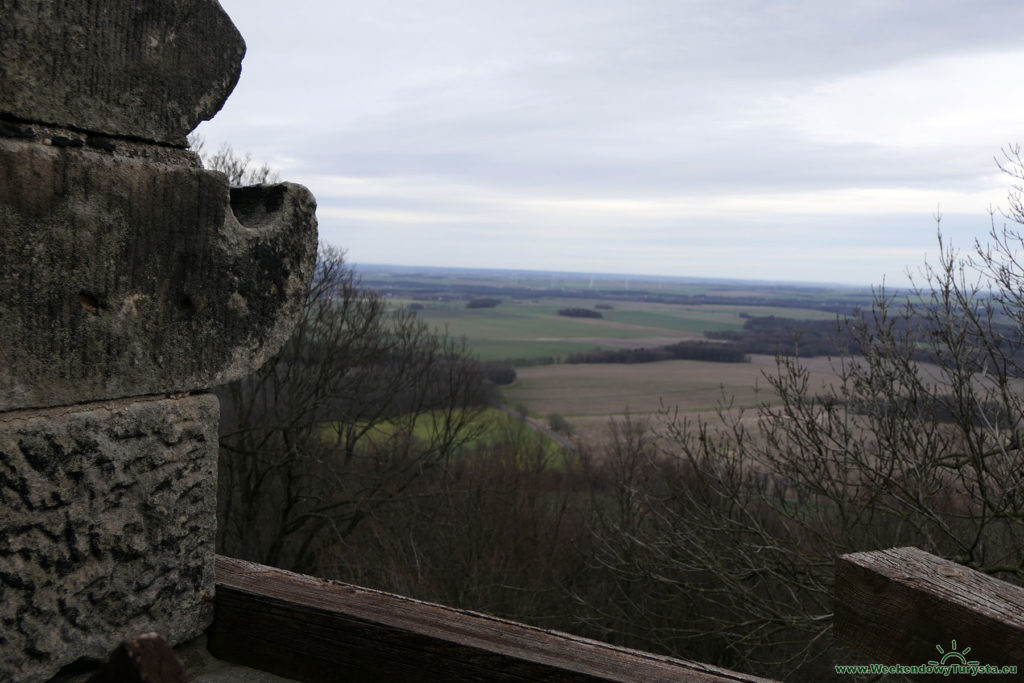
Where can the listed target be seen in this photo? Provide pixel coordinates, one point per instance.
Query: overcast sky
(780, 140)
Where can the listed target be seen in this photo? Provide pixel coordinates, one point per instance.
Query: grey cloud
(597, 98)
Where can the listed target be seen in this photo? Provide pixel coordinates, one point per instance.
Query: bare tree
(362, 400)
(918, 442)
(240, 169)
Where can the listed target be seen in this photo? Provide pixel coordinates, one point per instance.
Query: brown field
(600, 390)
(589, 395)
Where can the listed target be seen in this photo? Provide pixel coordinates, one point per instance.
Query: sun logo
(952, 654)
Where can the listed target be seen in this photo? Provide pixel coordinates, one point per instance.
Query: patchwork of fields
(638, 312)
(590, 393)
(524, 329)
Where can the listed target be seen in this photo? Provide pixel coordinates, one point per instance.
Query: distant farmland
(637, 313)
(587, 392)
(532, 329)
(579, 391)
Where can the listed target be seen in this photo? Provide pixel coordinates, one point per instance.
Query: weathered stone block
(107, 528)
(125, 277)
(151, 70)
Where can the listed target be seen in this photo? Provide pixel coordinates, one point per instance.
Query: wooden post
(906, 606)
(146, 658)
(317, 630)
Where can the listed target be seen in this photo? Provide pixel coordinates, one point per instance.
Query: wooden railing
(900, 606)
(312, 629)
(905, 606)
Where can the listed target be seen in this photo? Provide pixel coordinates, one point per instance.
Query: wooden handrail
(312, 629)
(906, 606)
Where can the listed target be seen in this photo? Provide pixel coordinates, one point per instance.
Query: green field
(532, 329)
(492, 427)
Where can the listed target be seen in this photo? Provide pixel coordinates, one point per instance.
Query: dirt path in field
(624, 342)
(538, 427)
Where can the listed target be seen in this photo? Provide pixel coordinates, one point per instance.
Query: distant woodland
(685, 350)
(771, 335)
(580, 313)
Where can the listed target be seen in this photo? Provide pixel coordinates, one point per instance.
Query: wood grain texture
(900, 605)
(317, 630)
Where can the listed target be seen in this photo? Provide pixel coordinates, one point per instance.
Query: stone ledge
(146, 70)
(124, 277)
(108, 528)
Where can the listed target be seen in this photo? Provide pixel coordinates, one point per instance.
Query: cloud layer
(759, 139)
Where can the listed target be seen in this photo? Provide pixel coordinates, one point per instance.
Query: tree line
(580, 313)
(802, 297)
(715, 352)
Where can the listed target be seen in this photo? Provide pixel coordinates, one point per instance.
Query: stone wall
(133, 281)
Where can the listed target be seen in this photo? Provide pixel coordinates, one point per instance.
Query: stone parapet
(127, 277)
(108, 528)
(130, 278)
(150, 70)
